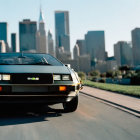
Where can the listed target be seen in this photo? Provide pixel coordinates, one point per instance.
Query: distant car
(37, 78)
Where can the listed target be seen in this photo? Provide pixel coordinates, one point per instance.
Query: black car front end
(36, 88)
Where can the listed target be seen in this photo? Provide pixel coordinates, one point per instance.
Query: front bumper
(48, 94)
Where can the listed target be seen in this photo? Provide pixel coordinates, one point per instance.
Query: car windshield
(28, 59)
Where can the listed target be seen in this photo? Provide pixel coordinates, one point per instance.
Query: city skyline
(116, 24)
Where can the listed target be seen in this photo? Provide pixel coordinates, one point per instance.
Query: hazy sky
(116, 17)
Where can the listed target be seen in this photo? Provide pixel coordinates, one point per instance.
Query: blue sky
(116, 17)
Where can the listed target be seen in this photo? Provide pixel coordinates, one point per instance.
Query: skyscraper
(76, 52)
(41, 38)
(50, 44)
(4, 34)
(27, 35)
(84, 63)
(95, 45)
(3, 31)
(2, 46)
(14, 42)
(82, 46)
(62, 33)
(123, 53)
(136, 46)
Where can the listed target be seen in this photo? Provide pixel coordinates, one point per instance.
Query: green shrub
(94, 73)
(102, 81)
(82, 75)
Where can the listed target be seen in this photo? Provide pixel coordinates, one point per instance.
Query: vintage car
(37, 79)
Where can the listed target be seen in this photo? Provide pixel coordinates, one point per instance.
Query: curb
(118, 106)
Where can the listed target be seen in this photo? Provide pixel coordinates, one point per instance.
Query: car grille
(22, 78)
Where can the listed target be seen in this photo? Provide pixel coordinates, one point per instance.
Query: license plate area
(29, 89)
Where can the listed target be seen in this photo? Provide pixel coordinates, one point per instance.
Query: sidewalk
(127, 102)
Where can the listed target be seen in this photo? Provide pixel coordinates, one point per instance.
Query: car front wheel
(71, 106)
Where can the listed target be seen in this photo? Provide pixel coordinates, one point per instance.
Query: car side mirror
(68, 65)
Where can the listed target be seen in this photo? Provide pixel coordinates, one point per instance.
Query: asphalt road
(92, 121)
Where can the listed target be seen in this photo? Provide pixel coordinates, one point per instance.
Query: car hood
(33, 69)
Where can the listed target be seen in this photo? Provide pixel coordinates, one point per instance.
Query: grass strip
(123, 89)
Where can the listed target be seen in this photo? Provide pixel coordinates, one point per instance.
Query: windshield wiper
(41, 63)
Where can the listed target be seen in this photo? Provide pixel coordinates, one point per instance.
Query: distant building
(111, 64)
(4, 34)
(27, 36)
(82, 46)
(76, 52)
(62, 55)
(81, 64)
(85, 63)
(50, 44)
(74, 64)
(14, 42)
(41, 38)
(136, 46)
(62, 33)
(101, 66)
(4, 31)
(95, 45)
(2, 46)
(123, 53)
(106, 55)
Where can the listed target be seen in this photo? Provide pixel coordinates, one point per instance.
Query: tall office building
(41, 38)
(136, 45)
(62, 55)
(84, 63)
(76, 52)
(14, 42)
(27, 36)
(3, 31)
(123, 53)
(4, 34)
(62, 33)
(50, 44)
(82, 46)
(2, 46)
(95, 45)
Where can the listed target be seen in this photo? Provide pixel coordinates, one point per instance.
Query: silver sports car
(37, 78)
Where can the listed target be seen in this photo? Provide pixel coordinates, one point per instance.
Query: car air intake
(29, 78)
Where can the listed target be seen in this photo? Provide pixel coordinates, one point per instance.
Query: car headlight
(6, 77)
(66, 77)
(57, 77)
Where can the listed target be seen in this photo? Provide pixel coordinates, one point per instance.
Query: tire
(71, 106)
